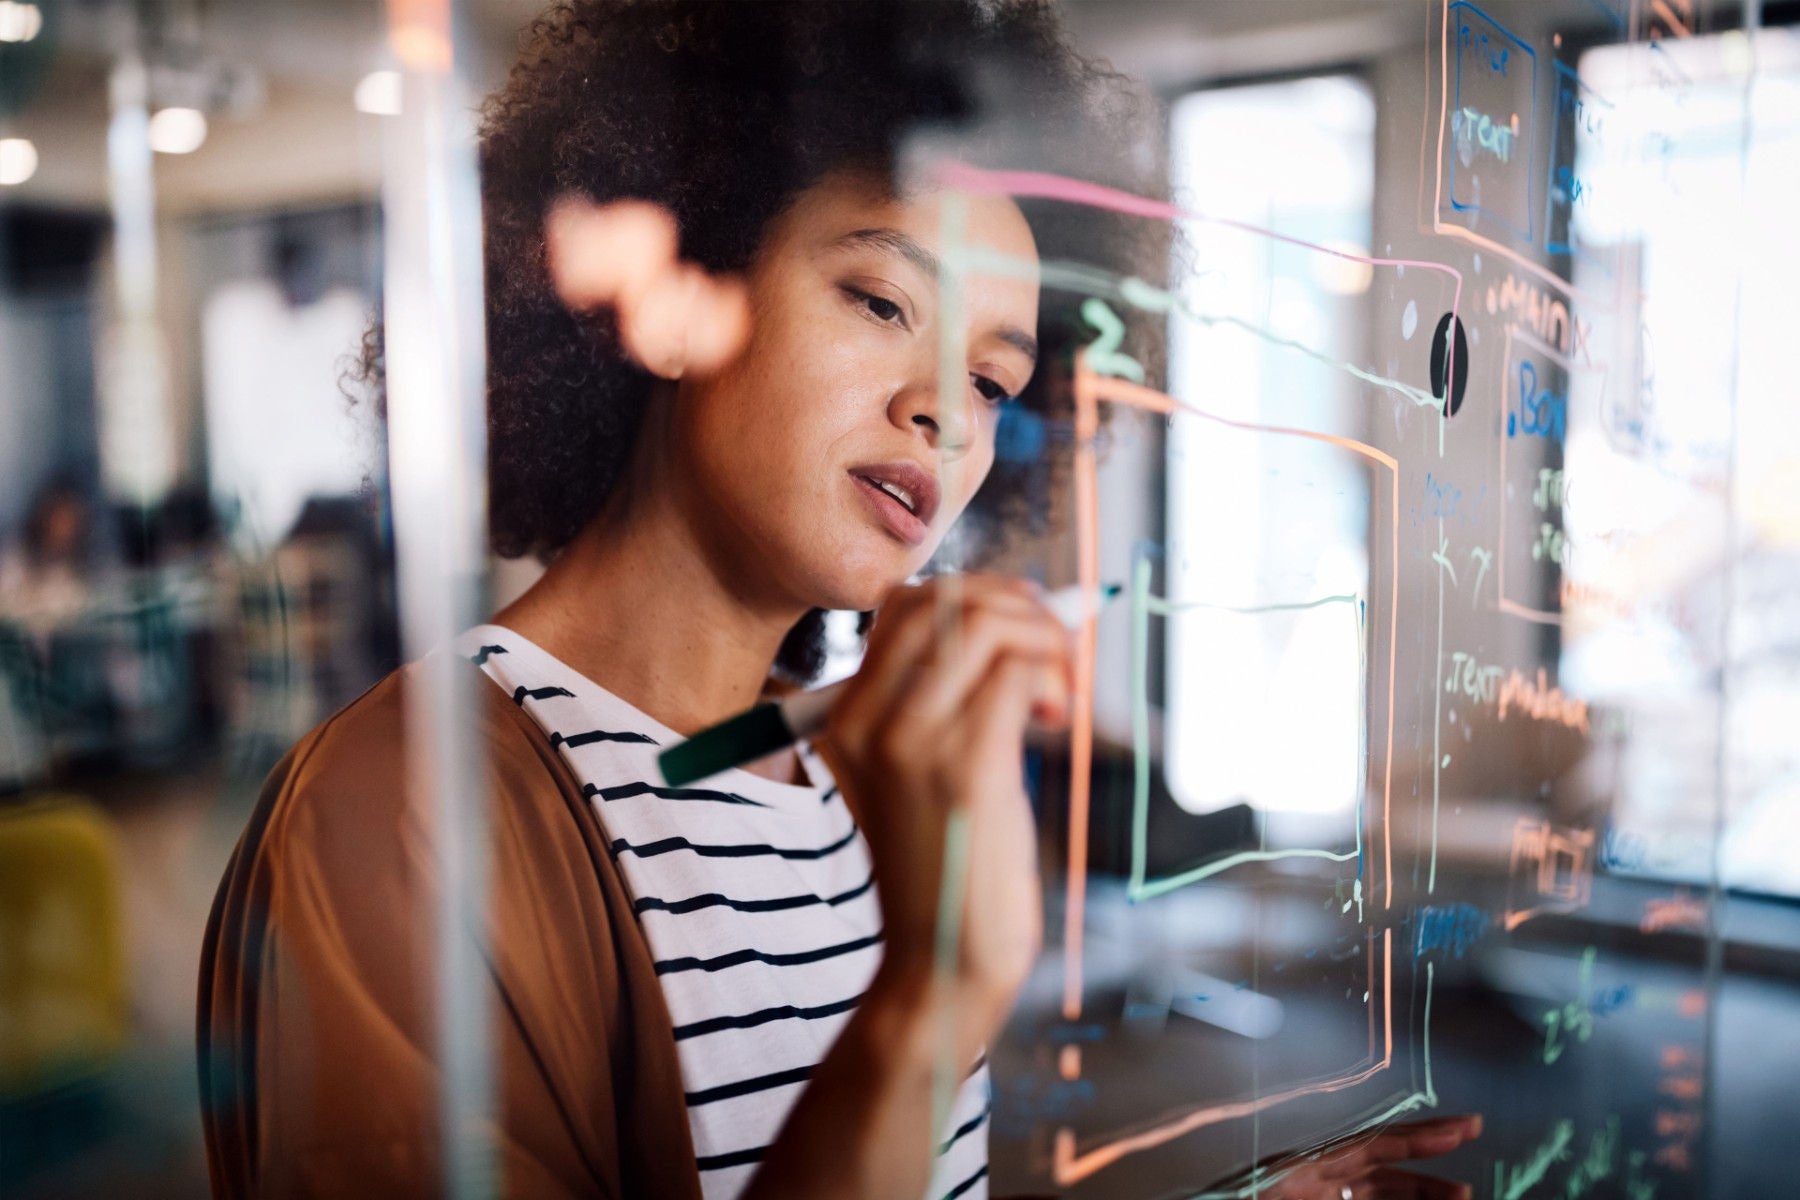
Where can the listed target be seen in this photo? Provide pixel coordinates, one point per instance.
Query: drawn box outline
(1527, 134)
(1504, 603)
(1577, 845)
(1619, 20)
(1066, 1167)
(1567, 247)
(1139, 887)
(1068, 1164)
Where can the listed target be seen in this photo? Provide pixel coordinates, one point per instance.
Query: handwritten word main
(1575, 1020)
(1472, 125)
(1536, 698)
(1542, 412)
(1483, 48)
(1547, 318)
(1471, 679)
(1452, 928)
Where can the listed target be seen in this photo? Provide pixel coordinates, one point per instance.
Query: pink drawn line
(1042, 185)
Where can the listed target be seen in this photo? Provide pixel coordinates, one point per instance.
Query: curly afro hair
(722, 112)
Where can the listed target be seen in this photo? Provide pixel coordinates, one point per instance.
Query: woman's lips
(899, 520)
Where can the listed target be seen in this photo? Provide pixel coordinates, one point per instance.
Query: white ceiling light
(177, 130)
(19, 22)
(18, 161)
(378, 93)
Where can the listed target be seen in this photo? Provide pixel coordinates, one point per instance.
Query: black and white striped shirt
(757, 903)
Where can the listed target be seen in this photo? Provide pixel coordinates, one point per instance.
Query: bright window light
(378, 94)
(19, 22)
(177, 130)
(1267, 562)
(18, 161)
(1702, 214)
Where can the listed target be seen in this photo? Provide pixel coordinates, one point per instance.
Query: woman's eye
(879, 307)
(990, 391)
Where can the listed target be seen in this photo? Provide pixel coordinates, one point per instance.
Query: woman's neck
(642, 604)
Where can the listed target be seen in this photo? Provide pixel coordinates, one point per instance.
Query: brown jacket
(317, 1043)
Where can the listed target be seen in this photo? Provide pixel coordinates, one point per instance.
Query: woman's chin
(853, 568)
(857, 596)
(860, 582)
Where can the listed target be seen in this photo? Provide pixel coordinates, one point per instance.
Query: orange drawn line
(1071, 1167)
(1539, 615)
(1123, 391)
(1676, 25)
(1681, 911)
(1090, 389)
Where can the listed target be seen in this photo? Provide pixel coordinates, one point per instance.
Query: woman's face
(822, 464)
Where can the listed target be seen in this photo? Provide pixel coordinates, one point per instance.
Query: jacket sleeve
(319, 1000)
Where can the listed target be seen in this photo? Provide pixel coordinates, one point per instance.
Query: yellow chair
(64, 1007)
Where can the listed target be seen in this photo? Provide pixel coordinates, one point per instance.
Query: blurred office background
(195, 554)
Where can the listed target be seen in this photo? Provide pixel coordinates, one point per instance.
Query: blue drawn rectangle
(1485, 52)
(1614, 11)
(1565, 189)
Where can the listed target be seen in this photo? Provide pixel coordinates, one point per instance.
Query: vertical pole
(1713, 970)
(436, 376)
(136, 445)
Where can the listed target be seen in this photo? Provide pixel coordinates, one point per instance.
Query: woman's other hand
(934, 725)
(1362, 1168)
(673, 318)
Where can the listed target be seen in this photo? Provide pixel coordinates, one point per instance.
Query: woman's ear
(673, 317)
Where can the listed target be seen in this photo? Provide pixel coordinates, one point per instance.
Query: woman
(726, 990)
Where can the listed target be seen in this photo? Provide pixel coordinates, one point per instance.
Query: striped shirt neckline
(758, 904)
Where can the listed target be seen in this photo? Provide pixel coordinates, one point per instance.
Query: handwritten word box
(1492, 123)
(1581, 140)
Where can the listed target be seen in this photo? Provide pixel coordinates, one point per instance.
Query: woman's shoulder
(349, 778)
(364, 744)
(323, 928)
(343, 837)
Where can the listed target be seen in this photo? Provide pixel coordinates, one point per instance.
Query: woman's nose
(916, 409)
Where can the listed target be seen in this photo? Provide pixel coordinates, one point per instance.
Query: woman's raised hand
(673, 317)
(934, 725)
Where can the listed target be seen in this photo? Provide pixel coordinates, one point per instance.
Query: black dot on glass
(1457, 366)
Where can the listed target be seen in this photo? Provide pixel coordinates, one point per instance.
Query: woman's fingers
(916, 628)
(999, 705)
(1396, 1143)
(964, 659)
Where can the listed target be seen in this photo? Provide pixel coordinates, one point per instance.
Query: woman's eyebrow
(893, 241)
(1019, 340)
